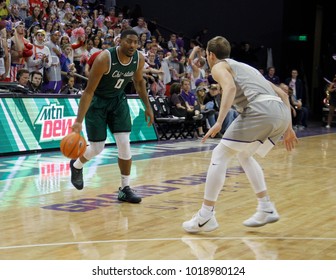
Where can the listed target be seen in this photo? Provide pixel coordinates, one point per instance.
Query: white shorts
(258, 127)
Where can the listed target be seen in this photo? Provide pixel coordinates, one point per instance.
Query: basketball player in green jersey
(104, 104)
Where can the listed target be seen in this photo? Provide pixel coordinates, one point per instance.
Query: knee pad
(222, 154)
(95, 148)
(123, 144)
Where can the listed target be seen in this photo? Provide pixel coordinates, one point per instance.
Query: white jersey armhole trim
(138, 60)
(110, 61)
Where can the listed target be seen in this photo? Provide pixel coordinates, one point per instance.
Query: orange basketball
(73, 145)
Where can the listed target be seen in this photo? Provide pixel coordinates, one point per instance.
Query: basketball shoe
(76, 176)
(263, 217)
(128, 195)
(199, 224)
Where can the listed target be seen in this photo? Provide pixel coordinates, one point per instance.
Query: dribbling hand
(77, 127)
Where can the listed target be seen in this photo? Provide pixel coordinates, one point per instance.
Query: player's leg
(119, 122)
(204, 219)
(266, 212)
(96, 132)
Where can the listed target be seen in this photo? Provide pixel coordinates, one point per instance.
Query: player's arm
(140, 87)
(99, 67)
(224, 78)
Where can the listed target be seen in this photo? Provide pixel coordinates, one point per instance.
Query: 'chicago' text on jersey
(118, 74)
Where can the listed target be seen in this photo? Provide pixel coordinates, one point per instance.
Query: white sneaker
(262, 217)
(199, 224)
(327, 126)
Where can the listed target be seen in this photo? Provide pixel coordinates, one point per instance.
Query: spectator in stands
(175, 66)
(296, 85)
(45, 10)
(298, 95)
(163, 62)
(162, 42)
(23, 7)
(331, 97)
(213, 100)
(66, 60)
(22, 77)
(68, 17)
(294, 104)
(48, 26)
(207, 111)
(35, 82)
(32, 30)
(270, 76)
(125, 25)
(178, 106)
(77, 36)
(201, 83)
(54, 72)
(154, 76)
(61, 9)
(172, 45)
(78, 14)
(117, 31)
(112, 17)
(141, 27)
(196, 62)
(180, 43)
(20, 49)
(120, 17)
(36, 16)
(41, 58)
(93, 44)
(4, 56)
(142, 42)
(69, 88)
(4, 11)
(190, 102)
(14, 14)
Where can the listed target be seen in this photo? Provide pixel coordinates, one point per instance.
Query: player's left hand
(290, 139)
(149, 116)
(212, 132)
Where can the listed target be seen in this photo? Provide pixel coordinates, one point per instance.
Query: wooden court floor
(43, 217)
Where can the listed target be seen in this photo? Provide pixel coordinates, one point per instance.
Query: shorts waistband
(265, 97)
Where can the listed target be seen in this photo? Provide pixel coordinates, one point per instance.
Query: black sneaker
(128, 195)
(76, 176)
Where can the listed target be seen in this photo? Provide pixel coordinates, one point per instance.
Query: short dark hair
(20, 73)
(128, 32)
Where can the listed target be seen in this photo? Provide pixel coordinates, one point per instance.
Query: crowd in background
(48, 46)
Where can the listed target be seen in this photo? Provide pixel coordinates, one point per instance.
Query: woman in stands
(331, 97)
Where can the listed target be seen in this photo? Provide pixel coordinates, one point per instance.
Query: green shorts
(113, 113)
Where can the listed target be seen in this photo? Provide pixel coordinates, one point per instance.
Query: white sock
(125, 180)
(265, 203)
(78, 164)
(206, 211)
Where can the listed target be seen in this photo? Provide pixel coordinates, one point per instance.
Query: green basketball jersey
(114, 82)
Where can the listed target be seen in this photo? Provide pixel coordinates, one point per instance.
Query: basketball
(73, 145)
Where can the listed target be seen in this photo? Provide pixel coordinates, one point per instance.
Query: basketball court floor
(44, 217)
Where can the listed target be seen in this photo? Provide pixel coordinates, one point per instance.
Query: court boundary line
(166, 239)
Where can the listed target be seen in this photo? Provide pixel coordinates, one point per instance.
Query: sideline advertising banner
(40, 123)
